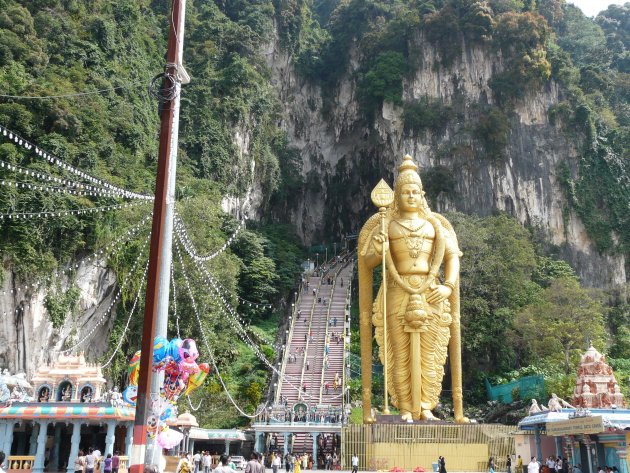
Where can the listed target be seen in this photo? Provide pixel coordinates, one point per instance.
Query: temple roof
(58, 410)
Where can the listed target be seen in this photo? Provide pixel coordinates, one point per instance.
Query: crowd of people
(87, 463)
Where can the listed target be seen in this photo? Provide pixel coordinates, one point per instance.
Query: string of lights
(243, 334)
(97, 257)
(51, 158)
(241, 324)
(133, 309)
(59, 189)
(65, 213)
(205, 340)
(190, 249)
(179, 224)
(43, 176)
(112, 304)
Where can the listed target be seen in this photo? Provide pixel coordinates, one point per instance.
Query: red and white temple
(596, 385)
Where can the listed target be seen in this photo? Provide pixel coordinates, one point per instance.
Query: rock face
(27, 336)
(343, 156)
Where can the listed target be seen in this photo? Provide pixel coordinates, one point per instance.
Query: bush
(492, 130)
(425, 114)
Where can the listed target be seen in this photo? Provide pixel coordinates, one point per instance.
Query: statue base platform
(395, 419)
(393, 443)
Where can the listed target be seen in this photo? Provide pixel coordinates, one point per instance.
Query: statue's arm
(373, 254)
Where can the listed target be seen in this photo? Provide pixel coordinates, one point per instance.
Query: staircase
(316, 343)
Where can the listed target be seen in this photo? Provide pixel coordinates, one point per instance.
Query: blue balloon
(167, 414)
(173, 349)
(160, 348)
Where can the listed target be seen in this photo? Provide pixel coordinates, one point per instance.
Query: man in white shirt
(206, 461)
(90, 461)
(253, 465)
(223, 465)
(533, 466)
(355, 463)
(276, 463)
(197, 460)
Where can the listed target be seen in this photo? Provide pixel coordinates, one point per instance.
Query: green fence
(529, 387)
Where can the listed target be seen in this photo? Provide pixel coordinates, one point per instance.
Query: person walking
(253, 465)
(533, 466)
(509, 464)
(442, 464)
(519, 465)
(491, 465)
(355, 459)
(223, 465)
(79, 462)
(197, 461)
(275, 463)
(90, 461)
(207, 462)
(107, 464)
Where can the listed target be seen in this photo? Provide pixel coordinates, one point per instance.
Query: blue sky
(593, 7)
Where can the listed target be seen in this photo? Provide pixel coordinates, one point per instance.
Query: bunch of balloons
(178, 359)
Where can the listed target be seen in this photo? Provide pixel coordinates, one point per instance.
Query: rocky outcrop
(344, 156)
(27, 335)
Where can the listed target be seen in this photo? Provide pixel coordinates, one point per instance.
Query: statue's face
(410, 198)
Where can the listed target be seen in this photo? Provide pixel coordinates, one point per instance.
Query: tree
(562, 322)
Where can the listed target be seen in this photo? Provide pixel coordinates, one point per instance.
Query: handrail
(288, 344)
(308, 339)
(346, 336)
(332, 290)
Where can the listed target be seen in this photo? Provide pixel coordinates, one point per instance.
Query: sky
(593, 7)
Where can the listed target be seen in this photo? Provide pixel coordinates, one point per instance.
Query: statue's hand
(439, 294)
(380, 243)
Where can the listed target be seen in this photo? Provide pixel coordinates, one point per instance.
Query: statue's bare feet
(406, 416)
(462, 420)
(428, 415)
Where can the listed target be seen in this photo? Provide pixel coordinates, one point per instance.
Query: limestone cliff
(27, 335)
(344, 156)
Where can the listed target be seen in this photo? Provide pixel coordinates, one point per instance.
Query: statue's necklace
(413, 240)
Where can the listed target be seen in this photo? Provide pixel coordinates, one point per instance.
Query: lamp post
(317, 260)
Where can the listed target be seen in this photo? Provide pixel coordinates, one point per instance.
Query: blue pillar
(56, 445)
(110, 437)
(259, 442)
(538, 447)
(227, 446)
(74, 445)
(38, 466)
(33, 444)
(315, 434)
(559, 447)
(129, 439)
(286, 443)
(8, 437)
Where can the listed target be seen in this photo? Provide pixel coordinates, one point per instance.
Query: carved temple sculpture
(595, 385)
(421, 324)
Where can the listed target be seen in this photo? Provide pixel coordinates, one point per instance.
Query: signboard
(579, 425)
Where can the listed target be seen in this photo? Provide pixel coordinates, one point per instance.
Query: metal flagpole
(161, 234)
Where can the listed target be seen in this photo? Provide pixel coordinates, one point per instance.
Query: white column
(74, 445)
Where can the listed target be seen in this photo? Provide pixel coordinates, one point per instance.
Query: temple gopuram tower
(596, 386)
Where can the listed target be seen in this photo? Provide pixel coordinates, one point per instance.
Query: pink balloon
(188, 350)
(168, 438)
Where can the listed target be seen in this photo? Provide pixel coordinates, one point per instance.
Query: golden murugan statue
(422, 318)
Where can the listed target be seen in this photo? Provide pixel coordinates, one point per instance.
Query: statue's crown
(408, 173)
(408, 165)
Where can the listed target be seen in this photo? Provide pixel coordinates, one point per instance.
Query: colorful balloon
(173, 349)
(168, 438)
(130, 394)
(172, 389)
(134, 368)
(197, 379)
(188, 350)
(160, 348)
